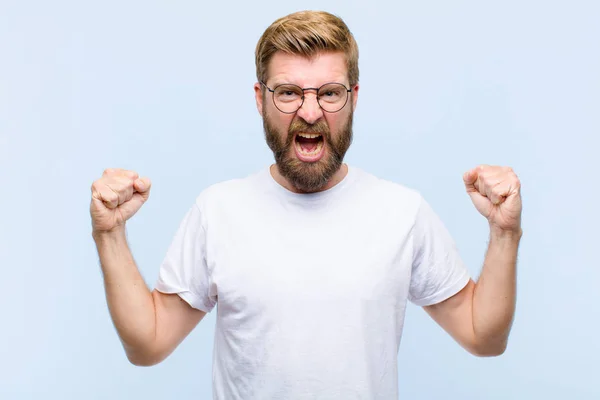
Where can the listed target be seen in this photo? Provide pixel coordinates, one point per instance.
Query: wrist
(114, 234)
(513, 235)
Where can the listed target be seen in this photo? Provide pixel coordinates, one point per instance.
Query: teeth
(309, 135)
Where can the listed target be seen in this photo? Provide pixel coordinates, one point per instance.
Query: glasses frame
(304, 97)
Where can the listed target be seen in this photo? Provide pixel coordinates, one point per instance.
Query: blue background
(165, 88)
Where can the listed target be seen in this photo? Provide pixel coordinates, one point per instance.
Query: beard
(308, 177)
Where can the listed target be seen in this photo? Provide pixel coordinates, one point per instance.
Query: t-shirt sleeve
(184, 270)
(438, 272)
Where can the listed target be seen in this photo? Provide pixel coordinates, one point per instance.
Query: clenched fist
(116, 197)
(496, 194)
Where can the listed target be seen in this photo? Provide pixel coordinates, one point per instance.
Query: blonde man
(311, 262)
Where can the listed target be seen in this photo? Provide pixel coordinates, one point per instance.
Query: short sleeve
(184, 269)
(438, 272)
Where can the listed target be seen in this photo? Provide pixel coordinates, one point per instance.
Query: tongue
(308, 145)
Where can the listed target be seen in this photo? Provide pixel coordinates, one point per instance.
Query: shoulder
(230, 191)
(387, 193)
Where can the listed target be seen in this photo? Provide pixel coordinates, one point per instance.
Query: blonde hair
(307, 33)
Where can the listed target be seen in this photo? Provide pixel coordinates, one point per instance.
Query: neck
(335, 179)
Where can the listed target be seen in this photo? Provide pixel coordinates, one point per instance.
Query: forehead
(308, 72)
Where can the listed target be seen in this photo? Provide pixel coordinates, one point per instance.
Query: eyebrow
(277, 83)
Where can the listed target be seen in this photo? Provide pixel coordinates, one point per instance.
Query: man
(310, 261)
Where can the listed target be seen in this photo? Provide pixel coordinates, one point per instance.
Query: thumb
(469, 178)
(142, 186)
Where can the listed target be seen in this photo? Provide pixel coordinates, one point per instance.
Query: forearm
(494, 296)
(130, 302)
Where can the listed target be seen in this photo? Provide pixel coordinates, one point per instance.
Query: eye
(287, 93)
(333, 93)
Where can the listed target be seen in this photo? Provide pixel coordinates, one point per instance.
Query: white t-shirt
(310, 289)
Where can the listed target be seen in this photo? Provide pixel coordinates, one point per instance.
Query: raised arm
(480, 316)
(150, 325)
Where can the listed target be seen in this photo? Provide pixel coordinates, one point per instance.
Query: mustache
(299, 125)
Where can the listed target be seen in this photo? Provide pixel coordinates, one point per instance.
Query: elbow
(142, 361)
(491, 349)
(489, 352)
(144, 358)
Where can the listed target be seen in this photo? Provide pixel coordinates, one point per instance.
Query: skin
(286, 68)
(151, 324)
(480, 316)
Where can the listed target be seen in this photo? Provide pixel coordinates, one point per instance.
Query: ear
(258, 94)
(354, 96)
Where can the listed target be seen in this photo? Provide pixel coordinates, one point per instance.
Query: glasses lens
(333, 96)
(288, 98)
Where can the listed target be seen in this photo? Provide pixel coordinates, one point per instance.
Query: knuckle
(123, 183)
(128, 184)
(120, 190)
(517, 182)
(124, 189)
(97, 185)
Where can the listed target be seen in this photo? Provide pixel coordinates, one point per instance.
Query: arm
(150, 325)
(480, 316)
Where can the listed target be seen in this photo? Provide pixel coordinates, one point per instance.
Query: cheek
(277, 120)
(336, 122)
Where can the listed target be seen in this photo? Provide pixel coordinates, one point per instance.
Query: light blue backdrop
(165, 88)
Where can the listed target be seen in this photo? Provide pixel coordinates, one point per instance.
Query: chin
(309, 177)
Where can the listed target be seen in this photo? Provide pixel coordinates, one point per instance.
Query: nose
(310, 111)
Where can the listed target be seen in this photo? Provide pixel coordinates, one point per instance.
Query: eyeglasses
(288, 98)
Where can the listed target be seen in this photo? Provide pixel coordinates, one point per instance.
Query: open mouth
(309, 146)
